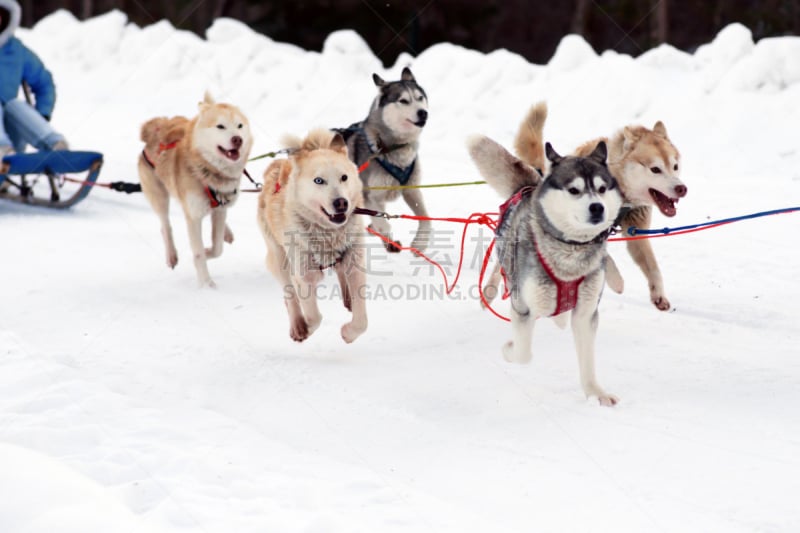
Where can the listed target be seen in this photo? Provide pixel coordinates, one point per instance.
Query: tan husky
(200, 163)
(305, 213)
(647, 167)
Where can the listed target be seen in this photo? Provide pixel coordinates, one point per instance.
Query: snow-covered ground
(131, 401)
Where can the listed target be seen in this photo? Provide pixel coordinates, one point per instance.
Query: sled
(41, 179)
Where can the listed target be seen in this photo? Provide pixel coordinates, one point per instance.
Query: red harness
(566, 291)
(213, 199)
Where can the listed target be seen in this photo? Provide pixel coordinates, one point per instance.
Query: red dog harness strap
(511, 203)
(567, 291)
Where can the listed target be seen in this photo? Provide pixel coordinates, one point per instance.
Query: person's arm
(41, 83)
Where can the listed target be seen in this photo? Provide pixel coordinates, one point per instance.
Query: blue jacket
(18, 64)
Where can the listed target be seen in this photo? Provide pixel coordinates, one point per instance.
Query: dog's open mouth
(664, 203)
(232, 154)
(337, 218)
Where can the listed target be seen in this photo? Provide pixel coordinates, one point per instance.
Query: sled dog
(305, 212)
(647, 167)
(200, 163)
(388, 141)
(551, 242)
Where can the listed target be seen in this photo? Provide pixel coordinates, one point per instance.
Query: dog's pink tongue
(232, 154)
(665, 204)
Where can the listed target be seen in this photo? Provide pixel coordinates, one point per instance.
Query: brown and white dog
(199, 162)
(305, 212)
(647, 167)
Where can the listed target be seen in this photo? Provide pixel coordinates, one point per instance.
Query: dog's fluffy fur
(190, 155)
(647, 167)
(562, 223)
(305, 212)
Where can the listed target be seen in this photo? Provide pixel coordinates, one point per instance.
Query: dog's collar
(217, 199)
(553, 232)
(336, 262)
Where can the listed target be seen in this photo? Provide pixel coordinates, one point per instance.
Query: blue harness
(402, 175)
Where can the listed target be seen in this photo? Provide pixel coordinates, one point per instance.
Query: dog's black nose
(340, 205)
(236, 141)
(596, 209)
(422, 114)
(681, 190)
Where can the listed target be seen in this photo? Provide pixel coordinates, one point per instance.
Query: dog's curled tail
(163, 130)
(504, 172)
(529, 143)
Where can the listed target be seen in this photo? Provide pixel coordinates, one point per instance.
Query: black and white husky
(388, 139)
(551, 244)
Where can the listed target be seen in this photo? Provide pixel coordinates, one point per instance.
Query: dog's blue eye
(220, 127)
(344, 177)
(573, 191)
(319, 181)
(655, 170)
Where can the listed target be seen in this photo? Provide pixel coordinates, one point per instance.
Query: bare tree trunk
(581, 17)
(28, 18)
(662, 21)
(219, 8)
(86, 9)
(796, 17)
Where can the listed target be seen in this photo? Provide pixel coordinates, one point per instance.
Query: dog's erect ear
(551, 154)
(338, 144)
(660, 129)
(207, 102)
(630, 136)
(407, 75)
(378, 80)
(600, 153)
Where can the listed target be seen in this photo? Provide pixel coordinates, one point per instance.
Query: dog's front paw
(209, 283)
(393, 247)
(172, 259)
(351, 331)
(661, 302)
(228, 237)
(299, 330)
(608, 400)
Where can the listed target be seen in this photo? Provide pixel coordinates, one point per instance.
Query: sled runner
(40, 178)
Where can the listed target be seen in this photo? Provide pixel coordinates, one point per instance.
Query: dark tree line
(530, 28)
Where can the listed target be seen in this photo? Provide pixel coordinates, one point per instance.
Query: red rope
(484, 219)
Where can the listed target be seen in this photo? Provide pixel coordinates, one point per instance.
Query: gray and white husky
(388, 140)
(551, 244)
